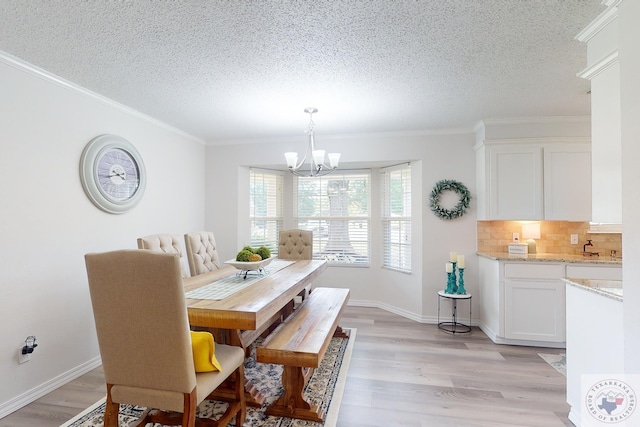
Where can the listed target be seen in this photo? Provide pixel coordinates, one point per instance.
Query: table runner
(220, 289)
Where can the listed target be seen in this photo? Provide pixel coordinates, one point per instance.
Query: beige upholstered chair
(143, 332)
(295, 244)
(167, 243)
(202, 252)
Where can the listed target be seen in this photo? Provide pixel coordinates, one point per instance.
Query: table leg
(292, 402)
(253, 396)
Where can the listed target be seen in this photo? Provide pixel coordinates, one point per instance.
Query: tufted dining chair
(145, 344)
(167, 243)
(295, 244)
(202, 252)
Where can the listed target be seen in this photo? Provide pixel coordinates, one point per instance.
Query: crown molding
(346, 137)
(601, 21)
(535, 119)
(35, 71)
(600, 66)
(536, 140)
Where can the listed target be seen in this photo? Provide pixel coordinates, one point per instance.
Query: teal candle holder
(451, 282)
(460, 288)
(455, 286)
(452, 287)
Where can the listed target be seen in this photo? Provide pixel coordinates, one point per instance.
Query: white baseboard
(399, 311)
(499, 340)
(37, 392)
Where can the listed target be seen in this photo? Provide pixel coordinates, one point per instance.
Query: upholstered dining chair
(145, 344)
(167, 243)
(202, 252)
(296, 244)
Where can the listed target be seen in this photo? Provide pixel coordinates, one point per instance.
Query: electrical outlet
(22, 358)
(574, 239)
(516, 237)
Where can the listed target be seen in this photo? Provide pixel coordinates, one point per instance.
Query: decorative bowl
(249, 265)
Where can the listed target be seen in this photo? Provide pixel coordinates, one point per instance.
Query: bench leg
(292, 403)
(340, 333)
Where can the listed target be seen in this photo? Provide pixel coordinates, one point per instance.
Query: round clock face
(112, 173)
(118, 174)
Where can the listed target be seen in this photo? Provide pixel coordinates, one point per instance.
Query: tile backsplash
(555, 237)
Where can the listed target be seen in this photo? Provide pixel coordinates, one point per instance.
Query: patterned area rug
(557, 361)
(325, 388)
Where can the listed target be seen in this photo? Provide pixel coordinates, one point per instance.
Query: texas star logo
(610, 401)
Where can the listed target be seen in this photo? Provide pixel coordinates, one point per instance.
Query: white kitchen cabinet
(567, 179)
(534, 302)
(594, 272)
(524, 180)
(603, 71)
(523, 302)
(515, 181)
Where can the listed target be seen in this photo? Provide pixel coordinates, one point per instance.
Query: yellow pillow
(204, 356)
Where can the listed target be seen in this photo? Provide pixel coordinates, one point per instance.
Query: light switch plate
(574, 239)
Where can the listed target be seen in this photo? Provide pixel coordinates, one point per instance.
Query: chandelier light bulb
(334, 159)
(292, 159)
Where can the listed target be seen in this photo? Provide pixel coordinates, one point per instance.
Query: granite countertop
(608, 288)
(550, 257)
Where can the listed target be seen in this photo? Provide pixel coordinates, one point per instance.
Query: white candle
(453, 257)
(460, 261)
(449, 267)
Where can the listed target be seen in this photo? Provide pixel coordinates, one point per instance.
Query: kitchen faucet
(584, 249)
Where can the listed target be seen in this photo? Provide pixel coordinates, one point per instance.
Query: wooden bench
(299, 343)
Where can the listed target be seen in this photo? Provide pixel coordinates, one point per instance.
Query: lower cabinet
(534, 310)
(524, 302)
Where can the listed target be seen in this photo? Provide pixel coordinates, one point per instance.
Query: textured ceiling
(245, 69)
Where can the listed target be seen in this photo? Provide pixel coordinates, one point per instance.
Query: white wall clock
(112, 173)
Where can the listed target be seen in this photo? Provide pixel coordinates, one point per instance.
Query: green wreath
(459, 209)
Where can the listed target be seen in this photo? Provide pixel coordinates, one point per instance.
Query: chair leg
(242, 413)
(190, 407)
(111, 410)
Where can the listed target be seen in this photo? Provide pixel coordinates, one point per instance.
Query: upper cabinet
(534, 179)
(567, 182)
(603, 71)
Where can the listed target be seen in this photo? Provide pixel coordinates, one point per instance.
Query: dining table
(243, 316)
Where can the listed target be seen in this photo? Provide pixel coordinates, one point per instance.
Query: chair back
(141, 322)
(295, 244)
(169, 244)
(202, 252)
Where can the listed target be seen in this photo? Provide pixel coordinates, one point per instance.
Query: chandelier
(317, 166)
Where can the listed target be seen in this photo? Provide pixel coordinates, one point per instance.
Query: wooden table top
(251, 307)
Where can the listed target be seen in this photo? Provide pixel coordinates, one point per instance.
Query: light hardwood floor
(402, 373)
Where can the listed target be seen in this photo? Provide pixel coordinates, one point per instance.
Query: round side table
(454, 326)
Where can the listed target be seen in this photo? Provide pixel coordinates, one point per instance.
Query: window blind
(265, 208)
(336, 208)
(396, 217)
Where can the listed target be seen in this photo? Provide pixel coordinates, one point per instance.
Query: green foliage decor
(459, 209)
(247, 251)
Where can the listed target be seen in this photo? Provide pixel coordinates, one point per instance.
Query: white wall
(438, 157)
(629, 17)
(47, 223)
